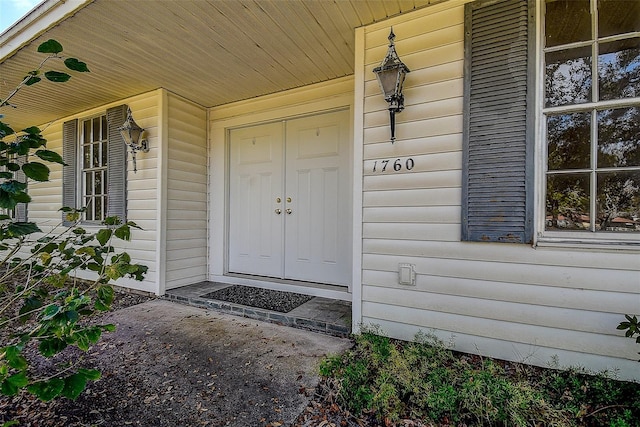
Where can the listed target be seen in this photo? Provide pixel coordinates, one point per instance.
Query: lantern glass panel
(388, 80)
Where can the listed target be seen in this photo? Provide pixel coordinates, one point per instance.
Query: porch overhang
(210, 52)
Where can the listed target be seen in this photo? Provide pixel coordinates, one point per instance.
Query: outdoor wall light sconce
(131, 134)
(391, 74)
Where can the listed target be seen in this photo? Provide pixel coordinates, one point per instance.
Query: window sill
(601, 243)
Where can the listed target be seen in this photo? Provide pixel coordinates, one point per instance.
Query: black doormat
(267, 299)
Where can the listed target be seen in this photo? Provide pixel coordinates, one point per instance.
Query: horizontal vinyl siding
(186, 216)
(502, 300)
(141, 188)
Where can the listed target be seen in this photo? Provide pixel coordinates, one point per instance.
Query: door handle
(278, 211)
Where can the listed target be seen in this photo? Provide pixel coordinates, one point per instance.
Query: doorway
(290, 199)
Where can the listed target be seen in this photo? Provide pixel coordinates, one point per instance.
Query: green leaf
(112, 220)
(14, 358)
(11, 423)
(36, 171)
(90, 374)
(32, 130)
(50, 156)
(13, 167)
(30, 304)
(13, 186)
(109, 327)
(106, 294)
(17, 229)
(6, 175)
(12, 384)
(123, 232)
(74, 385)
(50, 311)
(51, 346)
(103, 236)
(47, 390)
(31, 80)
(50, 46)
(5, 130)
(75, 65)
(57, 76)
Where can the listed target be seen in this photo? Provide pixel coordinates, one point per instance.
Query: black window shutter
(20, 213)
(70, 157)
(497, 185)
(117, 164)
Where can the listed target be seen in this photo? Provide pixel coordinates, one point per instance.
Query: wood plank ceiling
(210, 51)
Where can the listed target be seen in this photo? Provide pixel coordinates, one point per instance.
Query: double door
(289, 199)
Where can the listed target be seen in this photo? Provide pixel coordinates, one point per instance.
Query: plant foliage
(43, 306)
(385, 381)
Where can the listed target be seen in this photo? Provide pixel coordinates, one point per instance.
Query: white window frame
(81, 192)
(600, 240)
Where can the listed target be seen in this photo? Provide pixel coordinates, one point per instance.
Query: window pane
(98, 203)
(569, 141)
(86, 131)
(97, 185)
(86, 155)
(619, 137)
(89, 211)
(96, 155)
(104, 127)
(618, 17)
(567, 21)
(568, 77)
(618, 69)
(88, 184)
(567, 202)
(104, 152)
(618, 201)
(96, 129)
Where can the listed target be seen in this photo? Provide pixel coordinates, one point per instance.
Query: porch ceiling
(212, 52)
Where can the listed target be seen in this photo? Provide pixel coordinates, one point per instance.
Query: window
(591, 116)
(95, 175)
(94, 155)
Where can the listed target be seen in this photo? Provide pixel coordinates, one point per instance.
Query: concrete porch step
(329, 316)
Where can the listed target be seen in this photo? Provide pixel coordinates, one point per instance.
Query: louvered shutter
(70, 157)
(117, 164)
(20, 213)
(498, 118)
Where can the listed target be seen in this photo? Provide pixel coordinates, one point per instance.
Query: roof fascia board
(44, 16)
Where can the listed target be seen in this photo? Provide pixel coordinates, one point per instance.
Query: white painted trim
(161, 191)
(358, 148)
(40, 19)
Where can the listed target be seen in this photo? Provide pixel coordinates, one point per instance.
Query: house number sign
(392, 165)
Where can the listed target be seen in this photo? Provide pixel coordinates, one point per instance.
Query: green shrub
(391, 380)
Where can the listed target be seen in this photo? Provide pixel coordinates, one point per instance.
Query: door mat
(267, 299)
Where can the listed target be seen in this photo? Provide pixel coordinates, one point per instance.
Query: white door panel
(317, 230)
(306, 167)
(255, 229)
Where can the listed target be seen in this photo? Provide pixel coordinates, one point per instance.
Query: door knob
(278, 211)
(278, 200)
(288, 211)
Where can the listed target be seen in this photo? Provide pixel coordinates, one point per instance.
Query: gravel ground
(178, 389)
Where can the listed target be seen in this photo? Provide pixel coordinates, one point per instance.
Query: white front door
(289, 212)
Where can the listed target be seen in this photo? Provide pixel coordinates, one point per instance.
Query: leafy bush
(389, 380)
(42, 307)
(631, 328)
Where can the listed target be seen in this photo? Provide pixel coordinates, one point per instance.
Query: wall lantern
(131, 134)
(391, 74)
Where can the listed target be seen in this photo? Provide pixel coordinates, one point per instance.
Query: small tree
(42, 304)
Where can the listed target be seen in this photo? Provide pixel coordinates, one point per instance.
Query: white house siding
(141, 188)
(186, 193)
(321, 97)
(509, 301)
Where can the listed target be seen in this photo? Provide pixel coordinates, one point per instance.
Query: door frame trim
(308, 101)
(283, 122)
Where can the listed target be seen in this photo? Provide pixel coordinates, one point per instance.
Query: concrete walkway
(228, 370)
